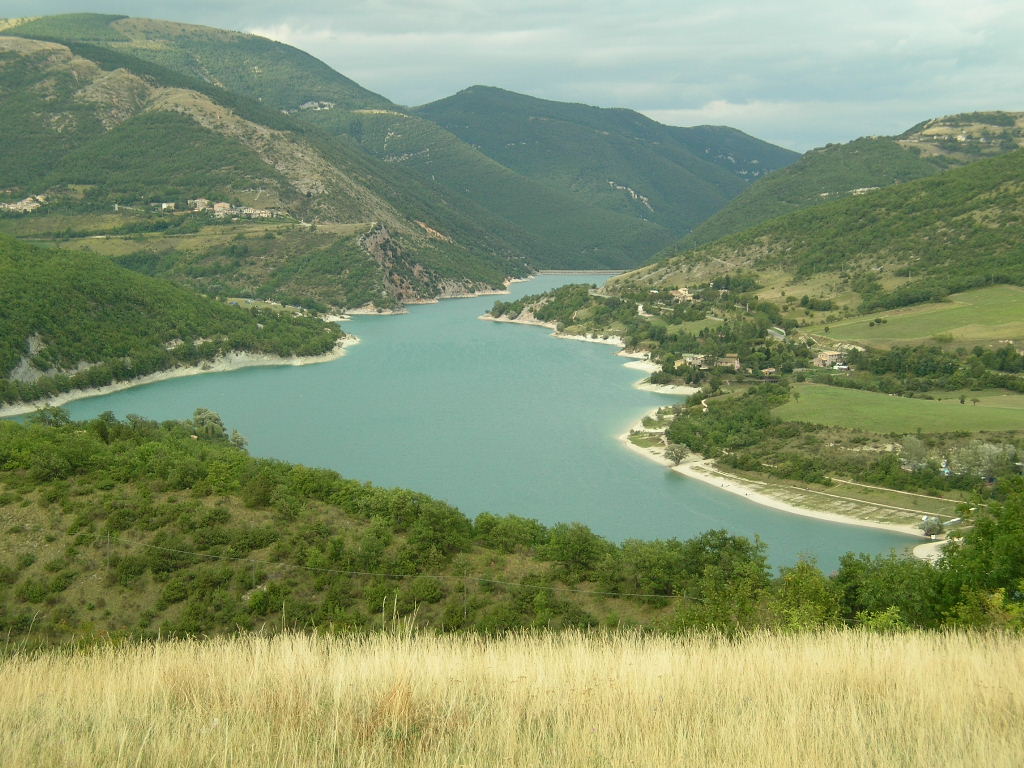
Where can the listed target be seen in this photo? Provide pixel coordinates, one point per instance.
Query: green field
(876, 412)
(696, 326)
(986, 314)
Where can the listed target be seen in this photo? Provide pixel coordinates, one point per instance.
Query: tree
(874, 584)
(50, 416)
(207, 424)
(576, 548)
(990, 555)
(913, 450)
(804, 598)
(676, 453)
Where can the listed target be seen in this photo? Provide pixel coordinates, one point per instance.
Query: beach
(704, 470)
(229, 362)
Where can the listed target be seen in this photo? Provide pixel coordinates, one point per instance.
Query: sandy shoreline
(702, 469)
(236, 360)
(613, 341)
(229, 362)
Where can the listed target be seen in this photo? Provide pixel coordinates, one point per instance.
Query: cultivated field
(821, 700)
(876, 412)
(986, 314)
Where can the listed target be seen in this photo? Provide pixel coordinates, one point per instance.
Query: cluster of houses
(29, 204)
(222, 209)
(834, 359)
(311, 106)
(707, 362)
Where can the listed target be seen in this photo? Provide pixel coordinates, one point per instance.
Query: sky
(799, 73)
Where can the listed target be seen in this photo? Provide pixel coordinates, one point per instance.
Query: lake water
(489, 417)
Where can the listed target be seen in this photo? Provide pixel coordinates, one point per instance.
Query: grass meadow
(840, 698)
(878, 412)
(986, 314)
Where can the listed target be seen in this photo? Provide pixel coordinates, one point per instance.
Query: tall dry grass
(838, 699)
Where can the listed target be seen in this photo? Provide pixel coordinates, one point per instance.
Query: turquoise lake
(489, 417)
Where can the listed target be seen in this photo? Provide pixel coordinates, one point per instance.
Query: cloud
(807, 71)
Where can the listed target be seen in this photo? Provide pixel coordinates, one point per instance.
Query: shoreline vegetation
(233, 361)
(705, 471)
(236, 360)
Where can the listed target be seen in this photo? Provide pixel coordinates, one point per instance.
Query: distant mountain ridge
(607, 221)
(859, 166)
(615, 158)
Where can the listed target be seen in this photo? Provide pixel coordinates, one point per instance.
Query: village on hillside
(26, 205)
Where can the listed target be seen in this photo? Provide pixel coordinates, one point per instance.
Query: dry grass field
(834, 699)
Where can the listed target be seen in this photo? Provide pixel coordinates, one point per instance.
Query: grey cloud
(799, 72)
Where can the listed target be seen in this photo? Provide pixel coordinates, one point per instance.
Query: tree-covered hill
(613, 158)
(895, 246)
(558, 228)
(840, 170)
(72, 320)
(281, 76)
(433, 175)
(92, 128)
(134, 528)
(422, 171)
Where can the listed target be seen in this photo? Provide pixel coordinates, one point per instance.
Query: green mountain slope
(281, 76)
(558, 229)
(903, 244)
(620, 187)
(432, 167)
(138, 528)
(93, 127)
(70, 320)
(840, 170)
(613, 158)
(483, 211)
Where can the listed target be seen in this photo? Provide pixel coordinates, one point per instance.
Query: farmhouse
(697, 361)
(828, 358)
(682, 294)
(732, 360)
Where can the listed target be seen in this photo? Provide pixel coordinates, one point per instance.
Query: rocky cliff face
(407, 280)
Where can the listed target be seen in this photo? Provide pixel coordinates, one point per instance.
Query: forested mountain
(557, 228)
(73, 320)
(654, 191)
(616, 159)
(92, 128)
(899, 245)
(278, 75)
(841, 170)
